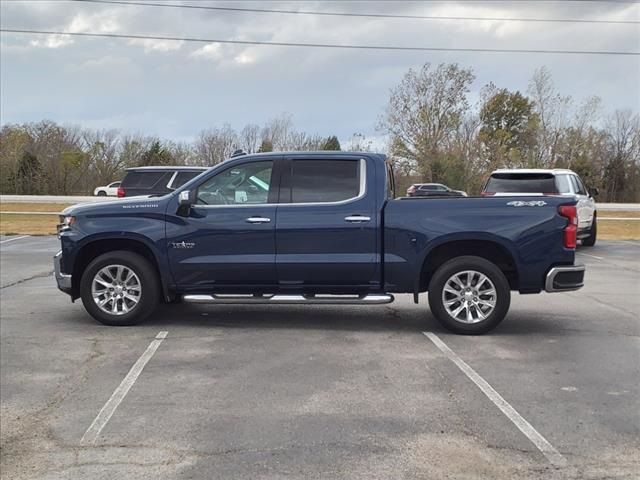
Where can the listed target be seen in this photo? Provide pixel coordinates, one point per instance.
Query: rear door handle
(357, 219)
(258, 220)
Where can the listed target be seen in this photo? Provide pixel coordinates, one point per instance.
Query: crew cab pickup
(316, 228)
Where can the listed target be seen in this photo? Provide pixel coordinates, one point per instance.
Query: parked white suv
(110, 190)
(514, 182)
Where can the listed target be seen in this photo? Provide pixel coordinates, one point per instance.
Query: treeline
(46, 158)
(434, 133)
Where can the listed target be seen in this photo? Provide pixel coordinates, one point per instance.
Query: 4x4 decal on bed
(520, 203)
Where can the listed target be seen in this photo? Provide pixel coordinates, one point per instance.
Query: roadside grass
(618, 229)
(33, 207)
(26, 224)
(617, 213)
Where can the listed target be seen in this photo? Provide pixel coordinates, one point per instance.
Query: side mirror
(594, 192)
(186, 198)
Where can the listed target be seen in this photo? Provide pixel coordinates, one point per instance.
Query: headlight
(66, 221)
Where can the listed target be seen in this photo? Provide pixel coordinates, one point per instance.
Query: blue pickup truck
(317, 228)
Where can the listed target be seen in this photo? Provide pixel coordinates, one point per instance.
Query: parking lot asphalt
(247, 392)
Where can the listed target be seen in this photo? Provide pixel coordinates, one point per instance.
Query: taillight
(571, 230)
(411, 190)
(121, 192)
(487, 194)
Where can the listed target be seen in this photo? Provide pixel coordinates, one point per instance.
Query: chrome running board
(373, 299)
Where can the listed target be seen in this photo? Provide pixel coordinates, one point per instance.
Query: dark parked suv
(156, 180)
(433, 190)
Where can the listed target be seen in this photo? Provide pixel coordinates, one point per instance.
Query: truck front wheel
(119, 288)
(469, 295)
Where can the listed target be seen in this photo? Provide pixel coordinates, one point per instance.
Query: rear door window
(521, 183)
(324, 181)
(142, 179)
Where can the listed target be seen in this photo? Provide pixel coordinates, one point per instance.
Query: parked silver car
(514, 182)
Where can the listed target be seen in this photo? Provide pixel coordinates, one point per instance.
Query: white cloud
(329, 91)
(151, 45)
(210, 51)
(105, 22)
(244, 59)
(52, 41)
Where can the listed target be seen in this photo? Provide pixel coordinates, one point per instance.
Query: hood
(101, 207)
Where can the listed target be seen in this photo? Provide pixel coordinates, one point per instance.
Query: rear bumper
(564, 278)
(62, 279)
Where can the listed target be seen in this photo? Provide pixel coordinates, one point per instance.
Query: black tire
(458, 265)
(590, 241)
(149, 292)
(102, 193)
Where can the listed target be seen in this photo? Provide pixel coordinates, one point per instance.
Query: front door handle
(258, 220)
(357, 219)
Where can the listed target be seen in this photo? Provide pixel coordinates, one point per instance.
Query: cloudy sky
(175, 89)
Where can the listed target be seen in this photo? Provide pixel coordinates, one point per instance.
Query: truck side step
(372, 299)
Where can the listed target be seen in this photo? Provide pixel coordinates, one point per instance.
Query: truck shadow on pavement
(292, 317)
(412, 318)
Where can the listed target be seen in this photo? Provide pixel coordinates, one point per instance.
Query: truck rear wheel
(119, 288)
(469, 295)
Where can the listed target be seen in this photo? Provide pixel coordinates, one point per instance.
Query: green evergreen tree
(331, 143)
(265, 146)
(156, 154)
(28, 174)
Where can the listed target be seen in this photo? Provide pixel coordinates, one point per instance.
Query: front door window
(243, 184)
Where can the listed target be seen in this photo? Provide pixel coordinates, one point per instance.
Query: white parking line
(627, 242)
(91, 435)
(14, 238)
(592, 256)
(525, 427)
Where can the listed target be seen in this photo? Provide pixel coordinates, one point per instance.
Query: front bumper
(564, 278)
(62, 279)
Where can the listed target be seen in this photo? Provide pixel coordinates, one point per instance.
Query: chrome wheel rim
(469, 296)
(116, 289)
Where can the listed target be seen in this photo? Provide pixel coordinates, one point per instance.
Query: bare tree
(103, 150)
(181, 153)
(424, 110)
(250, 138)
(215, 145)
(553, 110)
(623, 142)
(278, 131)
(133, 148)
(359, 143)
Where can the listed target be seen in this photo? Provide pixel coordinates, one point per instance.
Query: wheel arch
(98, 246)
(490, 249)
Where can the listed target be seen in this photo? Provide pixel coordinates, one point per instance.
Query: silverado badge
(182, 244)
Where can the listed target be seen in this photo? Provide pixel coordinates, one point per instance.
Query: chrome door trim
(361, 193)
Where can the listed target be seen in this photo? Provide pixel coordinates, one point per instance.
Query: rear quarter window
(183, 177)
(521, 183)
